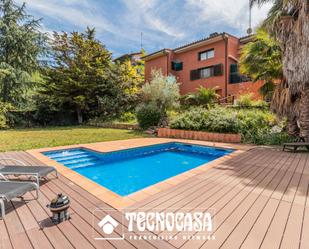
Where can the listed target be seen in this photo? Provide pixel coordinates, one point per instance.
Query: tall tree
(132, 78)
(288, 22)
(82, 77)
(21, 45)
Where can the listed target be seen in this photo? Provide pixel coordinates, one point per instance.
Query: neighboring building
(135, 58)
(210, 62)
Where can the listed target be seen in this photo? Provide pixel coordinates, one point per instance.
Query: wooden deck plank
(244, 196)
(238, 234)
(178, 188)
(84, 201)
(209, 198)
(258, 231)
(211, 175)
(277, 227)
(18, 236)
(82, 218)
(5, 241)
(67, 228)
(206, 198)
(304, 242)
(220, 192)
(237, 215)
(52, 232)
(32, 229)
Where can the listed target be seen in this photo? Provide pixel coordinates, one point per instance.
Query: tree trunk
(79, 115)
(5, 91)
(293, 129)
(304, 115)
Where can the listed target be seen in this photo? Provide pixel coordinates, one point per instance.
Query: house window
(206, 72)
(176, 66)
(235, 76)
(206, 54)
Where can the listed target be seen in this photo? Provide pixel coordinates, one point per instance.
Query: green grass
(25, 139)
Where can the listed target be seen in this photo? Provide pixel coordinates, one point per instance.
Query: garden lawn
(25, 139)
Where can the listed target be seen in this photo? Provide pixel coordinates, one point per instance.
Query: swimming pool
(127, 171)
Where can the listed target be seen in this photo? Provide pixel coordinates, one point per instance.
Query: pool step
(82, 160)
(69, 154)
(82, 165)
(65, 158)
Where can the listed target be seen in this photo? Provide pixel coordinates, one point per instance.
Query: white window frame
(208, 54)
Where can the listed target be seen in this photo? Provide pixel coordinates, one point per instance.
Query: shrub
(148, 115)
(245, 100)
(203, 96)
(255, 126)
(127, 117)
(4, 110)
(2, 121)
(162, 91)
(213, 120)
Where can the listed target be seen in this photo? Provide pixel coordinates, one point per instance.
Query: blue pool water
(127, 171)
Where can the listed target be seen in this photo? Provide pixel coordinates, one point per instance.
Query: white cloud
(229, 13)
(164, 23)
(78, 13)
(147, 14)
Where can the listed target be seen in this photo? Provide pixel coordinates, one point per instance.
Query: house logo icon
(108, 224)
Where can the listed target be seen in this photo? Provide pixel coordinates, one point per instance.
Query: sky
(164, 23)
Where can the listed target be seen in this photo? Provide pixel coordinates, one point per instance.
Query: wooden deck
(259, 200)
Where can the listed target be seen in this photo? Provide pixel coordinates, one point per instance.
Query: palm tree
(262, 60)
(203, 96)
(288, 22)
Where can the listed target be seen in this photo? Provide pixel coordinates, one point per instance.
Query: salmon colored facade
(196, 70)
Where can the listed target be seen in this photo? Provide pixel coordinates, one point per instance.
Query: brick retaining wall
(199, 135)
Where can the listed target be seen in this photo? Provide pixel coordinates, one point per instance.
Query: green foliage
(162, 91)
(148, 115)
(213, 120)
(83, 78)
(203, 96)
(247, 101)
(262, 60)
(128, 117)
(131, 78)
(21, 44)
(255, 126)
(4, 109)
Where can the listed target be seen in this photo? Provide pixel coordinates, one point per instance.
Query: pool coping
(120, 202)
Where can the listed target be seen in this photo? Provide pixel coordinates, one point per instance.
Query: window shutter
(194, 74)
(180, 66)
(176, 66)
(234, 68)
(173, 65)
(218, 70)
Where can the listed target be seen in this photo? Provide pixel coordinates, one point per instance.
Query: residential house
(210, 62)
(135, 58)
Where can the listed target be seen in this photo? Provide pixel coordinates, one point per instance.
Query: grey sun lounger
(13, 189)
(37, 172)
